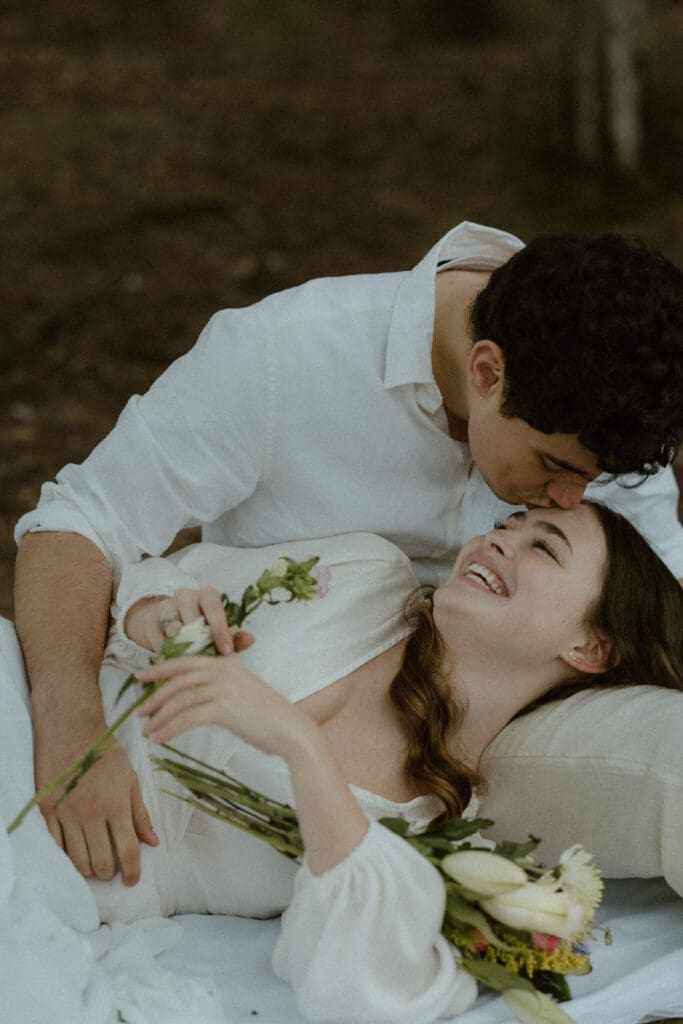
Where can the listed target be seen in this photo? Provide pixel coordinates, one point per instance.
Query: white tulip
(196, 633)
(537, 908)
(486, 874)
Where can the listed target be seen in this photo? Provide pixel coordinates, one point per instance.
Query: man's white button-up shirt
(311, 413)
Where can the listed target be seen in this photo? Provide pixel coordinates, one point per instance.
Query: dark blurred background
(161, 160)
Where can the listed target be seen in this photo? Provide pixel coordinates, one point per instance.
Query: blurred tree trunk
(606, 56)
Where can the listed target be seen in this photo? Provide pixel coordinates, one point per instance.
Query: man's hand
(62, 594)
(101, 823)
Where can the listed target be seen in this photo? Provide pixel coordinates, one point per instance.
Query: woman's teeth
(485, 578)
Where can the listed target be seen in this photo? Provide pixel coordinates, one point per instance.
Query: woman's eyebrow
(546, 526)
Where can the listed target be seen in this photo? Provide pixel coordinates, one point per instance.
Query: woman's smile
(484, 576)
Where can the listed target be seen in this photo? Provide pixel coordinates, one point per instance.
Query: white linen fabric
(603, 768)
(639, 977)
(311, 413)
(384, 894)
(55, 965)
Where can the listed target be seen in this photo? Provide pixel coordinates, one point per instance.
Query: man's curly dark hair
(592, 332)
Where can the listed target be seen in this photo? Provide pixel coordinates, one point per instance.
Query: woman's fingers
(243, 640)
(212, 609)
(173, 668)
(190, 695)
(178, 722)
(187, 605)
(169, 617)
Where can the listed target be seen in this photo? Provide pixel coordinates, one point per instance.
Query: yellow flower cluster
(526, 958)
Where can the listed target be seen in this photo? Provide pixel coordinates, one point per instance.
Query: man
(356, 403)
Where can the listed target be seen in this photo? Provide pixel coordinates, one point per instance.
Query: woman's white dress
(361, 942)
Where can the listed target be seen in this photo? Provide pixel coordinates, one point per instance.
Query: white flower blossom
(581, 879)
(279, 568)
(537, 908)
(485, 873)
(196, 633)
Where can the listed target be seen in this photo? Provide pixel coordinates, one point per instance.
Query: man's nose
(564, 494)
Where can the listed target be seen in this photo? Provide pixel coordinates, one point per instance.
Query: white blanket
(57, 965)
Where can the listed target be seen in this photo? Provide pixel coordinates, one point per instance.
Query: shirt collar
(409, 345)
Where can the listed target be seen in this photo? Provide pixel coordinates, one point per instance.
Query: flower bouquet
(520, 929)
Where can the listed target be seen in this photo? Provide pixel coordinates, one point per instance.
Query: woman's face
(525, 587)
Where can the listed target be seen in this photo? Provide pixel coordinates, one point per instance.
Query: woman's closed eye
(541, 544)
(538, 542)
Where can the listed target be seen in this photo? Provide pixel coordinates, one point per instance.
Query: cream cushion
(603, 768)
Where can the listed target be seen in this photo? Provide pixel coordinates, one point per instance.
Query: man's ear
(592, 657)
(486, 368)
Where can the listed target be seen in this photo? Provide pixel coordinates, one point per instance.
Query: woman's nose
(500, 541)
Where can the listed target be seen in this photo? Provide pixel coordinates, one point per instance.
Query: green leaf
(516, 851)
(398, 825)
(457, 829)
(535, 1007)
(130, 681)
(459, 912)
(496, 976)
(553, 984)
(437, 845)
(308, 565)
(232, 611)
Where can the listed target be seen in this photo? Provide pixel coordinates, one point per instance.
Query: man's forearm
(62, 596)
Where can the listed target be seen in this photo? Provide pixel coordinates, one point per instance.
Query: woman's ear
(486, 368)
(593, 656)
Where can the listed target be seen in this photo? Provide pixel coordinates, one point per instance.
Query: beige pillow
(603, 768)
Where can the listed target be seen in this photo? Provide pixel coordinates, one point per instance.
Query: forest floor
(161, 161)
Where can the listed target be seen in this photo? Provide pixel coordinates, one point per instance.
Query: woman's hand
(220, 691)
(152, 619)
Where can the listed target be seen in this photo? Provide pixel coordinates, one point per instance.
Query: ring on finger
(165, 621)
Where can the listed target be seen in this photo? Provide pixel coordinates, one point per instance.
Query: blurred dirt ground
(160, 161)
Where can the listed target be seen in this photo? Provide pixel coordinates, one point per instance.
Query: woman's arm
(361, 939)
(220, 691)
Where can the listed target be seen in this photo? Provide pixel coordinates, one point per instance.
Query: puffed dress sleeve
(153, 577)
(362, 943)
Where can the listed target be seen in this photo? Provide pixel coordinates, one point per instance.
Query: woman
(367, 715)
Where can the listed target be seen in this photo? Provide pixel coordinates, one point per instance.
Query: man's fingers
(76, 847)
(127, 848)
(141, 819)
(100, 850)
(54, 828)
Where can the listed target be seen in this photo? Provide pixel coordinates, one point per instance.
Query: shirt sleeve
(363, 943)
(194, 446)
(652, 507)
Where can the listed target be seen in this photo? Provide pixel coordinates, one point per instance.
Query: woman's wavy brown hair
(431, 713)
(639, 608)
